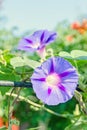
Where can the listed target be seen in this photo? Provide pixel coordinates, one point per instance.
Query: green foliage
(19, 61)
(74, 55)
(80, 124)
(3, 128)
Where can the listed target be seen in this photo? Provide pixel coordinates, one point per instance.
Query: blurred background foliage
(67, 116)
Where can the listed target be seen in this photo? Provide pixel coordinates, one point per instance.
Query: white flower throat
(52, 80)
(36, 45)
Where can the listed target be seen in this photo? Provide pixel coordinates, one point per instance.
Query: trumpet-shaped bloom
(37, 41)
(55, 81)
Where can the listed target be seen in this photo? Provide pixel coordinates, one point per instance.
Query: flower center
(36, 45)
(53, 80)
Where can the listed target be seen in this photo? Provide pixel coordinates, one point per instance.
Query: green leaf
(3, 128)
(79, 54)
(79, 123)
(65, 54)
(74, 54)
(82, 126)
(35, 128)
(19, 62)
(7, 74)
(15, 121)
(31, 63)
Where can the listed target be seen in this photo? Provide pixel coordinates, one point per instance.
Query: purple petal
(54, 98)
(28, 40)
(39, 34)
(62, 88)
(39, 73)
(52, 66)
(42, 37)
(49, 91)
(69, 71)
(64, 74)
(71, 77)
(26, 43)
(40, 79)
(57, 96)
(48, 66)
(51, 38)
(23, 45)
(70, 88)
(62, 65)
(45, 36)
(41, 90)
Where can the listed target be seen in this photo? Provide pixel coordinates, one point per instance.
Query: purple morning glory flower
(37, 41)
(55, 81)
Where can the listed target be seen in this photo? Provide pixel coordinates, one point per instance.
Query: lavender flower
(37, 41)
(55, 81)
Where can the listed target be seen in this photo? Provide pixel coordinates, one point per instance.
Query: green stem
(9, 106)
(38, 105)
(76, 65)
(78, 97)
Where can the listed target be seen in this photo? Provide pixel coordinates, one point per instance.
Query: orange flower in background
(69, 38)
(84, 24)
(80, 27)
(6, 124)
(2, 124)
(75, 25)
(15, 127)
(81, 30)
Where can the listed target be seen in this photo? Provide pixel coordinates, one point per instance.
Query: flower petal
(41, 89)
(48, 66)
(61, 65)
(23, 45)
(28, 40)
(54, 98)
(38, 73)
(26, 44)
(42, 36)
(51, 38)
(49, 91)
(45, 36)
